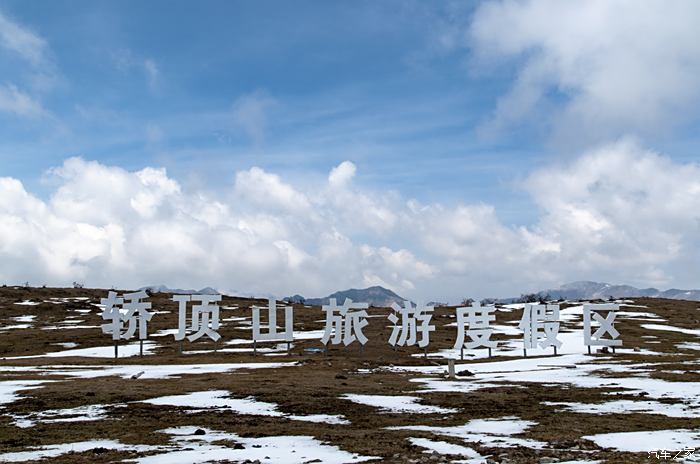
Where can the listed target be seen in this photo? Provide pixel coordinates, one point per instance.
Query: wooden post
(461, 354)
(141, 348)
(489, 352)
(116, 349)
(451, 369)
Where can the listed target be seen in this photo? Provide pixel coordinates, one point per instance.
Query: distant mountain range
(374, 296)
(164, 289)
(383, 297)
(587, 290)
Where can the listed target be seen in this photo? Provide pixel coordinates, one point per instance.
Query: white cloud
(14, 101)
(621, 208)
(39, 74)
(108, 226)
(260, 188)
(342, 174)
(18, 39)
(593, 70)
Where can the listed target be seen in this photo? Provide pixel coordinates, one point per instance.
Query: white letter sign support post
(272, 334)
(112, 311)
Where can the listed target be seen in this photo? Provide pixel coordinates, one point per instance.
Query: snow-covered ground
(192, 449)
(52, 451)
(220, 400)
(125, 351)
(648, 441)
(498, 432)
(412, 410)
(442, 447)
(398, 404)
(630, 407)
(87, 413)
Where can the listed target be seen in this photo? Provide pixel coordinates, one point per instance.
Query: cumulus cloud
(263, 189)
(592, 69)
(620, 213)
(342, 174)
(622, 207)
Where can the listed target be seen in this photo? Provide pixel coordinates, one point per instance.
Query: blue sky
(362, 81)
(468, 109)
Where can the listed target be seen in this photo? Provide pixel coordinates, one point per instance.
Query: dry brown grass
(314, 386)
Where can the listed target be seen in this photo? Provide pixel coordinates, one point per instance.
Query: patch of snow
(150, 371)
(398, 404)
(488, 432)
(16, 326)
(670, 328)
(220, 400)
(279, 348)
(309, 335)
(66, 344)
(443, 447)
(90, 412)
(514, 306)
(164, 332)
(567, 369)
(431, 385)
(630, 407)
(648, 441)
(688, 346)
(52, 451)
(68, 326)
(9, 389)
(125, 351)
(637, 314)
(280, 449)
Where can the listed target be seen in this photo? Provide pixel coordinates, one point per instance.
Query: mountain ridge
(587, 289)
(374, 296)
(165, 289)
